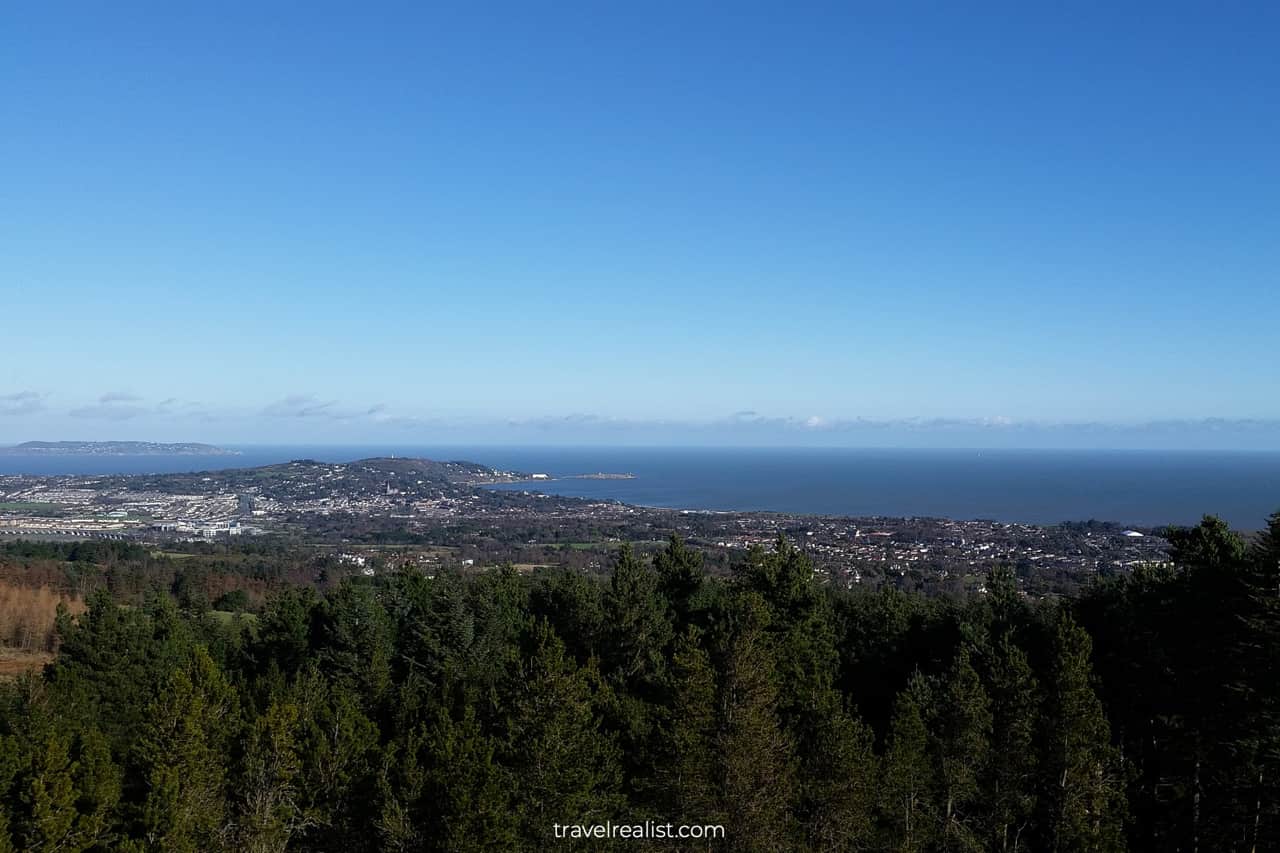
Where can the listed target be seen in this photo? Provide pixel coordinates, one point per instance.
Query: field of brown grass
(16, 662)
(28, 616)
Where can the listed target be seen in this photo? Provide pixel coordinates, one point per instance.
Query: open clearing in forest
(16, 662)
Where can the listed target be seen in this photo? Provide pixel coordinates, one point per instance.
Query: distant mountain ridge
(118, 448)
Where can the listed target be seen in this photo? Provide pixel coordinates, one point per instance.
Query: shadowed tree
(284, 629)
(352, 634)
(499, 600)
(682, 579)
(1210, 545)
(1258, 741)
(6, 837)
(755, 752)
(338, 747)
(574, 605)
(1011, 774)
(565, 766)
(442, 789)
(800, 629)
(98, 789)
(1246, 771)
(962, 725)
(1084, 804)
(906, 806)
(637, 635)
(1216, 728)
(838, 783)
(688, 773)
(469, 792)
(637, 626)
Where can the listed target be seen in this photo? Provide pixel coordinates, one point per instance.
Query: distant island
(115, 448)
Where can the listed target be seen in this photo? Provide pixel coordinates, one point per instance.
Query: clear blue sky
(655, 221)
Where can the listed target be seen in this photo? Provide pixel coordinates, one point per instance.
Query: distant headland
(115, 448)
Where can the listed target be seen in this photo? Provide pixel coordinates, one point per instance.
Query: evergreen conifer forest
(476, 711)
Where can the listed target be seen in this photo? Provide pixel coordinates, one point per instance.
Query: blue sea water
(1035, 486)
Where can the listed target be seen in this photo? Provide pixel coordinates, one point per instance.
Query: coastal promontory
(116, 448)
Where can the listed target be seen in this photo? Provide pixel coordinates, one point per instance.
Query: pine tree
(1210, 545)
(838, 787)
(565, 766)
(271, 811)
(906, 804)
(111, 658)
(61, 789)
(801, 630)
(6, 838)
(181, 759)
(637, 634)
(682, 579)
(638, 627)
(98, 789)
(468, 792)
(338, 746)
(1007, 606)
(689, 772)
(353, 634)
(48, 798)
(756, 756)
(1011, 777)
(435, 627)
(878, 647)
(1143, 657)
(1084, 803)
(962, 723)
(1218, 733)
(441, 788)
(284, 628)
(401, 786)
(573, 603)
(499, 602)
(1250, 728)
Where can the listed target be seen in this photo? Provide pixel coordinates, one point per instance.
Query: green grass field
(35, 507)
(226, 616)
(590, 546)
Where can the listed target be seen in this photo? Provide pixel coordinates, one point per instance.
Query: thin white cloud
(109, 411)
(112, 406)
(301, 406)
(175, 407)
(21, 403)
(310, 406)
(751, 422)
